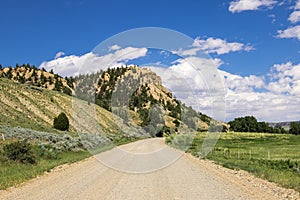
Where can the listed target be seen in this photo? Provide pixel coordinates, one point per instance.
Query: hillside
(150, 104)
(29, 107)
(126, 97)
(29, 74)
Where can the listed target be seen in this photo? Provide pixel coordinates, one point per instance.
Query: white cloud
(216, 45)
(265, 106)
(243, 5)
(273, 17)
(297, 6)
(242, 84)
(187, 73)
(59, 54)
(285, 78)
(196, 82)
(114, 47)
(278, 102)
(278, 99)
(292, 32)
(271, 101)
(90, 62)
(295, 16)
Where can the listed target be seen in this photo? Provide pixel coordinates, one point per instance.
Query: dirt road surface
(147, 169)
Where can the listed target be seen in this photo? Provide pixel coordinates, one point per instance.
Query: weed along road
(146, 169)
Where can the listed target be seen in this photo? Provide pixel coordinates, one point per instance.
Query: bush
(19, 151)
(67, 91)
(48, 152)
(295, 128)
(61, 122)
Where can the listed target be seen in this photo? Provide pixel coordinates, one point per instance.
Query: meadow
(274, 157)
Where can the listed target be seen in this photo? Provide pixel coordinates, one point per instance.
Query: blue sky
(34, 31)
(265, 34)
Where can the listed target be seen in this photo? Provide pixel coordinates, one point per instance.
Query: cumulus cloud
(114, 47)
(196, 82)
(242, 84)
(285, 78)
(279, 99)
(297, 6)
(274, 98)
(243, 5)
(216, 45)
(59, 54)
(266, 106)
(91, 62)
(295, 16)
(292, 32)
(187, 74)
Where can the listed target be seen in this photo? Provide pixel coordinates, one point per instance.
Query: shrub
(19, 151)
(48, 152)
(295, 128)
(176, 122)
(67, 91)
(165, 130)
(61, 122)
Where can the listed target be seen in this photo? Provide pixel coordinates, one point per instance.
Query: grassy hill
(35, 108)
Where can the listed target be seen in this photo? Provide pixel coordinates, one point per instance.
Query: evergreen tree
(9, 73)
(58, 85)
(61, 122)
(43, 78)
(67, 91)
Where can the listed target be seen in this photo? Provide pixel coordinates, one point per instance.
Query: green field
(269, 156)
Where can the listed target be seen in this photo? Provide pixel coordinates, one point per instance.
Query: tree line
(250, 124)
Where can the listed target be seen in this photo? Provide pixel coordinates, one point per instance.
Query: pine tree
(9, 73)
(61, 122)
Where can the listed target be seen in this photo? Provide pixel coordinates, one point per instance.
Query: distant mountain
(285, 125)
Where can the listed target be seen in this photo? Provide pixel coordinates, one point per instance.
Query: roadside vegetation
(13, 172)
(26, 153)
(274, 157)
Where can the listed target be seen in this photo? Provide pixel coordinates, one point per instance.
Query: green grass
(12, 173)
(274, 157)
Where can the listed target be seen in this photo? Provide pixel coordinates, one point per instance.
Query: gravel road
(146, 169)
